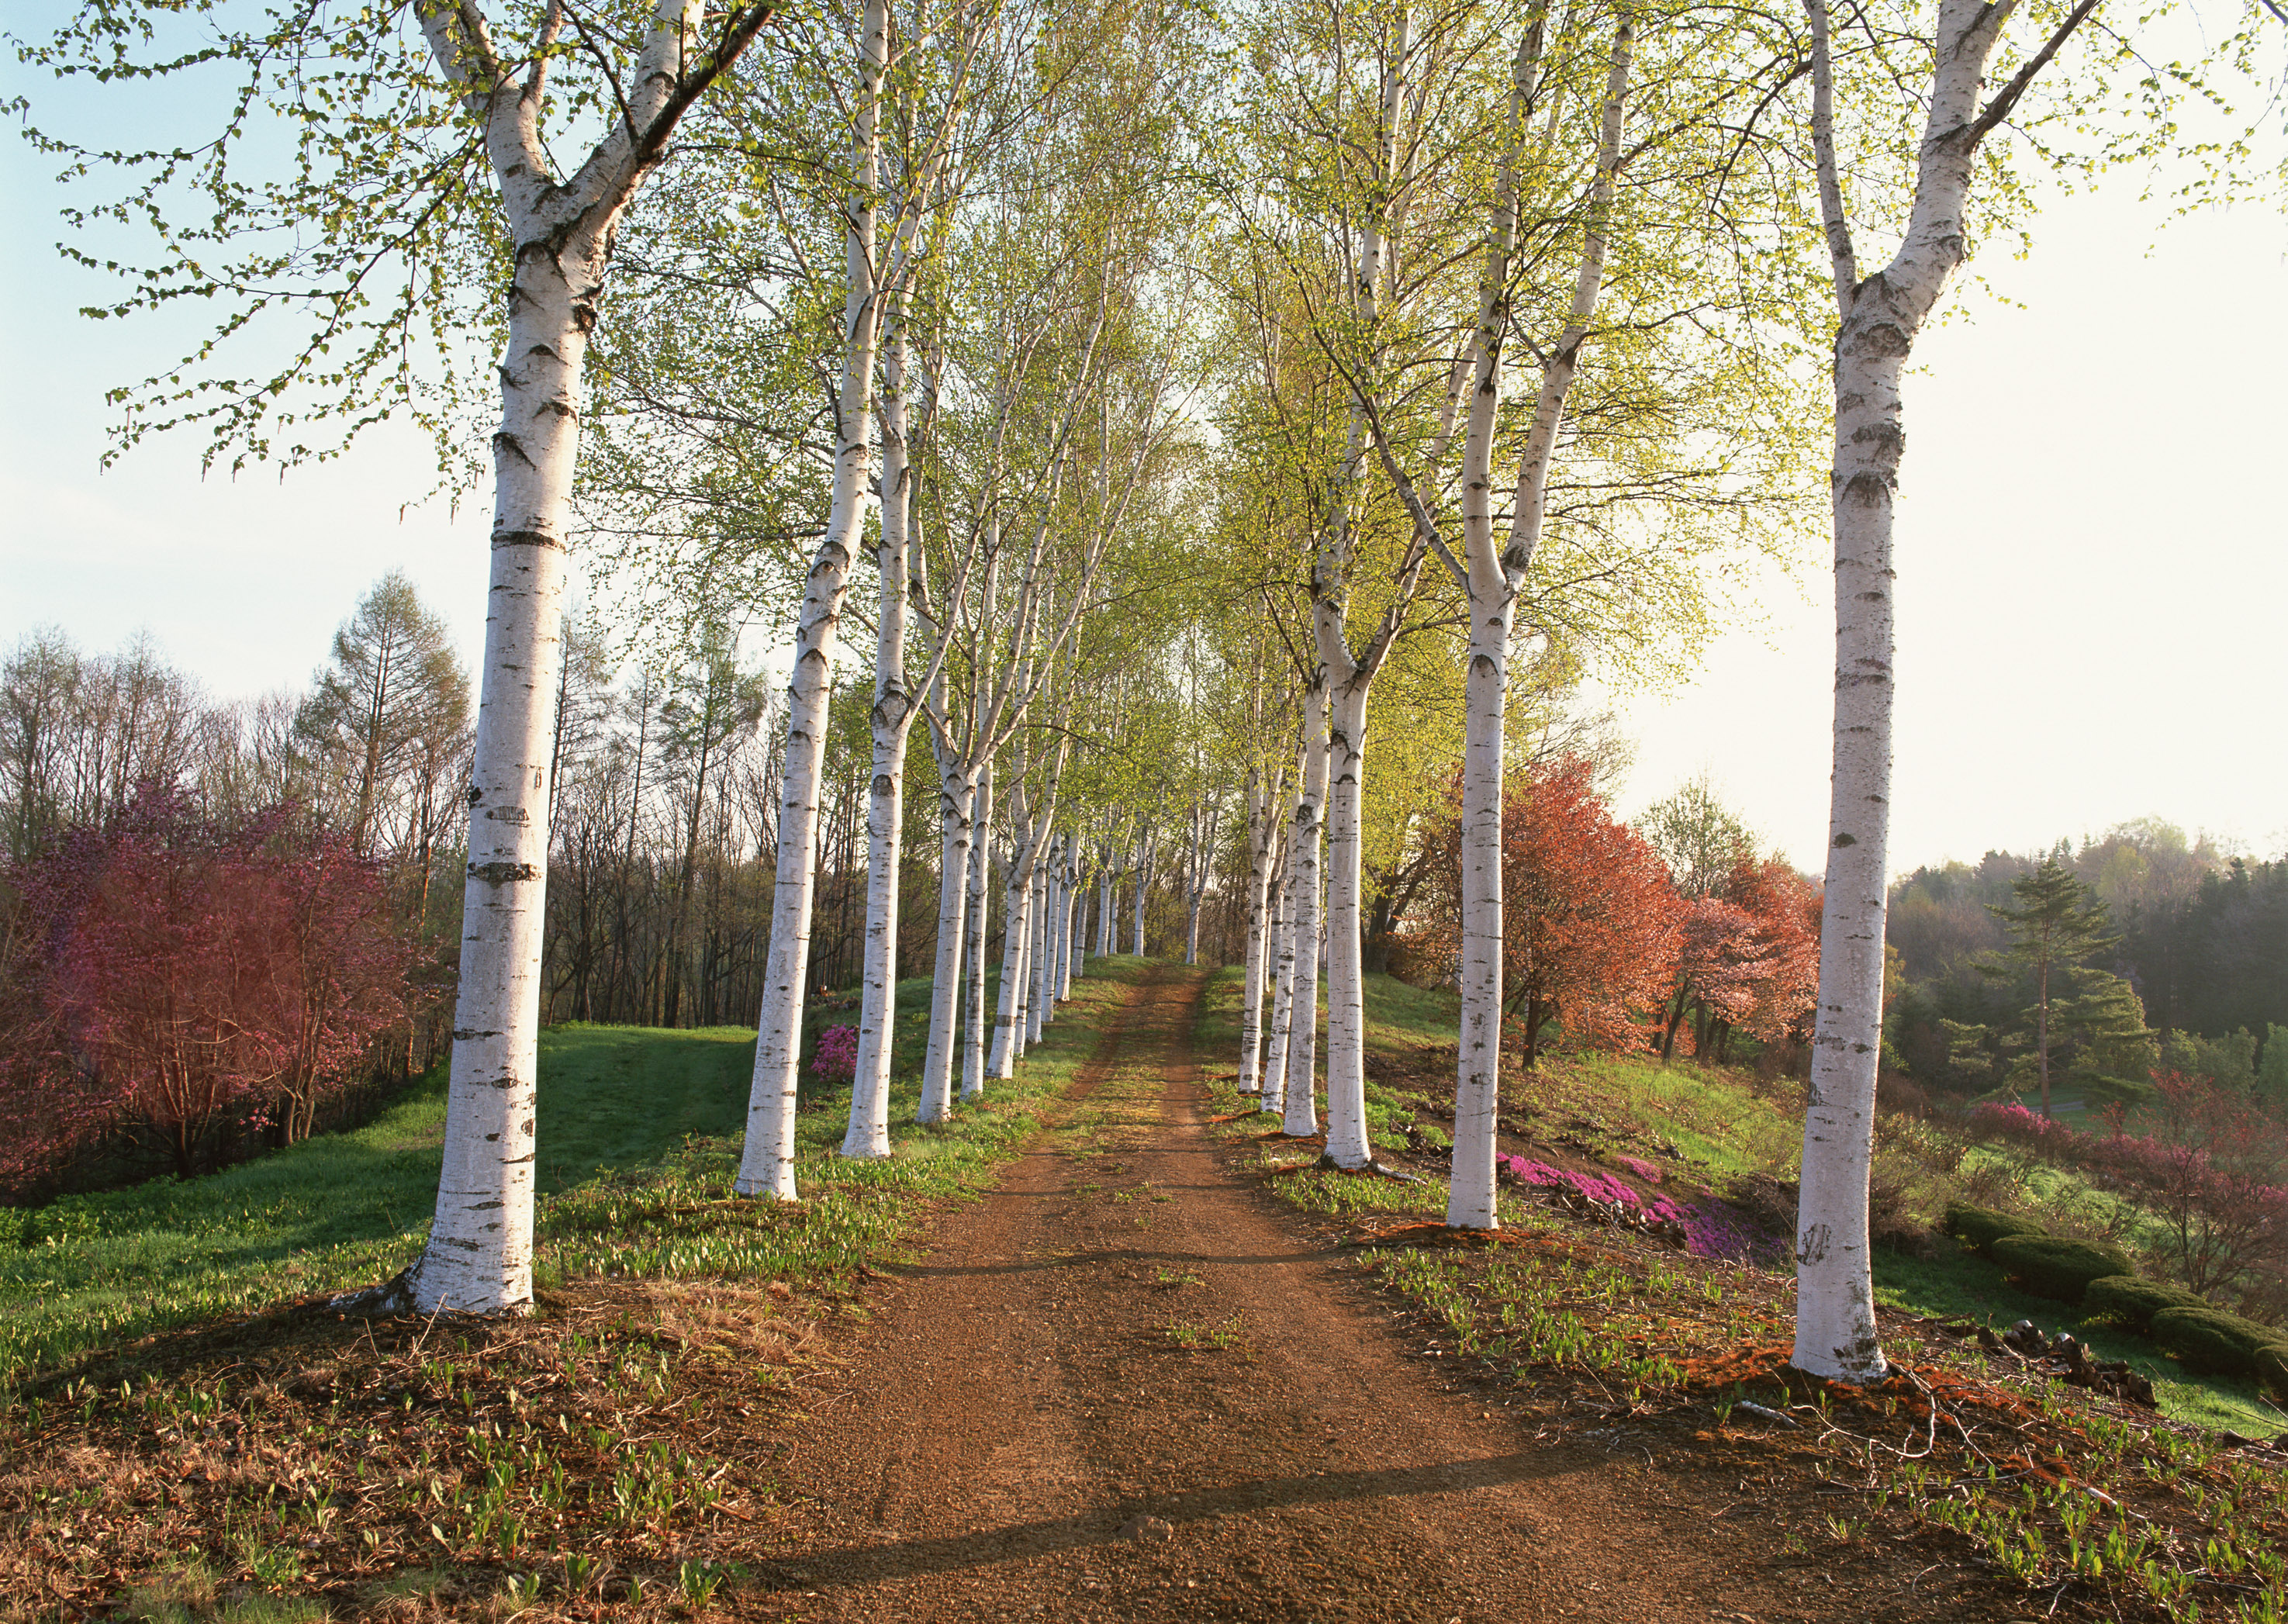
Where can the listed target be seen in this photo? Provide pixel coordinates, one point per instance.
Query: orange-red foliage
(1589, 919)
(1748, 957)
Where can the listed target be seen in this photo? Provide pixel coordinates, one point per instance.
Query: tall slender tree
(1877, 317)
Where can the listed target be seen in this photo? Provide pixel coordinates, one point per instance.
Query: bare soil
(1129, 1384)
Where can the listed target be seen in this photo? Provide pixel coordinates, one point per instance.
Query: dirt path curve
(1121, 1388)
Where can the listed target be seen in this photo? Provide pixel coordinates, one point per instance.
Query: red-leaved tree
(1589, 920)
(181, 976)
(1748, 959)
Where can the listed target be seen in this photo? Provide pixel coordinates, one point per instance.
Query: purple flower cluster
(1591, 1186)
(1642, 1168)
(1708, 1228)
(2231, 1180)
(1716, 1229)
(837, 1055)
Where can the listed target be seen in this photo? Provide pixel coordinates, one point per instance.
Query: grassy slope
(1725, 1127)
(634, 1124)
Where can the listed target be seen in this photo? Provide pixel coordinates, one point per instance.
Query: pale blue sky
(2093, 551)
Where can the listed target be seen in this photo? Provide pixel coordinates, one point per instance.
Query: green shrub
(2272, 1370)
(2051, 1266)
(2133, 1301)
(1982, 1226)
(2209, 1339)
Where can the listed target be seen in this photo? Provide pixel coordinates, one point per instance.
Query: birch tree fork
(478, 1256)
(1877, 319)
(1491, 582)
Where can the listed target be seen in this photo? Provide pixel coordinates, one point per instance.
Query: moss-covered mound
(1982, 1226)
(2209, 1339)
(2131, 1302)
(2051, 1266)
(2272, 1363)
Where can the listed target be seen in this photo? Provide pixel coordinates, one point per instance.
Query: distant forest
(2203, 944)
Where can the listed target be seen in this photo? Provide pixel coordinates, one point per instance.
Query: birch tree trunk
(1105, 923)
(1143, 889)
(1494, 580)
(1878, 321)
(1044, 948)
(1069, 911)
(1054, 968)
(1281, 946)
(972, 1045)
(1347, 1135)
(891, 723)
(479, 1254)
(1077, 931)
(1259, 890)
(957, 795)
(766, 1162)
(1008, 1014)
(1343, 683)
(1301, 1114)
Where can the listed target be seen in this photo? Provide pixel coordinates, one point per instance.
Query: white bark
(957, 796)
(1281, 948)
(1008, 1013)
(1493, 581)
(1043, 949)
(1258, 892)
(1301, 1112)
(1061, 941)
(1105, 922)
(1143, 889)
(1068, 920)
(891, 723)
(1878, 319)
(479, 1255)
(972, 1045)
(1346, 1132)
(1076, 932)
(767, 1163)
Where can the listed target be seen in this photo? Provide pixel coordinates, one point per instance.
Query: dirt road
(1123, 1388)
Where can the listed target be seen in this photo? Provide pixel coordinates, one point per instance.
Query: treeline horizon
(664, 817)
(2202, 942)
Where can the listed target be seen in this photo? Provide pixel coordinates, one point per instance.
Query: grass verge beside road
(595, 1459)
(636, 1123)
(1958, 1463)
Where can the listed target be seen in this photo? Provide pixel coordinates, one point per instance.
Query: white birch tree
(1878, 317)
(408, 140)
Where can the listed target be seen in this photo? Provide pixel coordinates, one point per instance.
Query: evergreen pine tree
(2056, 926)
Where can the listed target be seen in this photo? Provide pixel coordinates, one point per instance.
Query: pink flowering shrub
(835, 1058)
(1642, 1168)
(2215, 1173)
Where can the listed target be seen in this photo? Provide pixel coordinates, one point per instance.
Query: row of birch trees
(1321, 364)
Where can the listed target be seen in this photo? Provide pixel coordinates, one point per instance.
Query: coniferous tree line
(2188, 972)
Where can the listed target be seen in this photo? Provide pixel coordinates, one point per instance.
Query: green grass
(1727, 1129)
(1961, 1284)
(639, 1135)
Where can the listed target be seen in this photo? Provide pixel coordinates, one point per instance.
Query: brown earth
(1129, 1384)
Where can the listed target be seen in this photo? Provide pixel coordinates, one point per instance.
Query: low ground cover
(345, 1209)
(283, 1461)
(2101, 1507)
